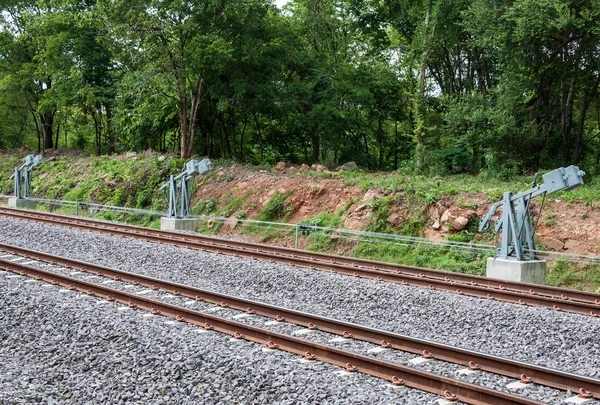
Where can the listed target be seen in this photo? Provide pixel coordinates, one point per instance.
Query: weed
(549, 219)
(234, 204)
(379, 215)
(207, 206)
(449, 260)
(276, 208)
(460, 203)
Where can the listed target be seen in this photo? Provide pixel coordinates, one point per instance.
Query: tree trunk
(566, 121)
(57, 133)
(242, 138)
(260, 138)
(47, 126)
(183, 120)
(97, 133)
(314, 139)
(380, 136)
(110, 137)
(233, 132)
(581, 127)
(420, 97)
(197, 97)
(38, 130)
(395, 144)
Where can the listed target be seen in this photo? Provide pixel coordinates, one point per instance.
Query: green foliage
(206, 207)
(234, 204)
(573, 275)
(379, 215)
(478, 87)
(448, 260)
(276, 208)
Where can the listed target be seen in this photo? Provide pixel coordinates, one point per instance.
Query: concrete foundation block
(21, 203)
(527, 271)
(178, 224)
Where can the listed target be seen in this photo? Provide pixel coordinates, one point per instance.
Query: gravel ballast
(554, 339)
(533, 391)
(66, 348)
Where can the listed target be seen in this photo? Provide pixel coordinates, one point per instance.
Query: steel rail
(559, 299)
(468, 393)
(514, 369)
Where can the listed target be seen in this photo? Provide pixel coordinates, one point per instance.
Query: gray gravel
(69, 349)
(559, 340)
(497, 382)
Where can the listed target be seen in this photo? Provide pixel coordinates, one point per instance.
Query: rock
(395, 219)
(360, 207)
(348, 166)
(353, 223)
(433, 235)
(162, 158)
(318, 168)
(130, 154)
(436, 225)
(433, 212)
(292, 170)
(231, 222)
(459, 223)
(280, 166)
(51, 159)
(552, 243)
(571, 244)
(444, 217)
(304, 167)
(371, 195)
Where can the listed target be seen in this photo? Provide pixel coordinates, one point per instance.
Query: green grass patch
(206, 207)
(276, 208)
(573, 275)
(435, 258)
(234, 204)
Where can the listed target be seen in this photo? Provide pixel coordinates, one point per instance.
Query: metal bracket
(22, 176)
(179, 194)
(515, 224)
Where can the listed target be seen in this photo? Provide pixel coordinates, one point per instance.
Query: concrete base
(178, 224)
(21, 203)
(530, 271)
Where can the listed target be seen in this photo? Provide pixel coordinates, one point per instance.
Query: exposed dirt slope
(564, 226)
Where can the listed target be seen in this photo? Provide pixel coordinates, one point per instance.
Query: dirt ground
(566, 227)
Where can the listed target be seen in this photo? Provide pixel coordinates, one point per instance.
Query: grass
(431, 188)
(435, 258)
(135, 183)
(276, 208)
(234, 204)
(573, 275)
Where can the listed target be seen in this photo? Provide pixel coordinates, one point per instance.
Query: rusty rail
(465, 392)
(514, 369)
(558, 299)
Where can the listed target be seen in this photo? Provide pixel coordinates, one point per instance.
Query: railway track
(557, 299)
(389, 371)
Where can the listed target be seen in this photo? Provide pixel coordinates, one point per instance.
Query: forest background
(430, 86)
